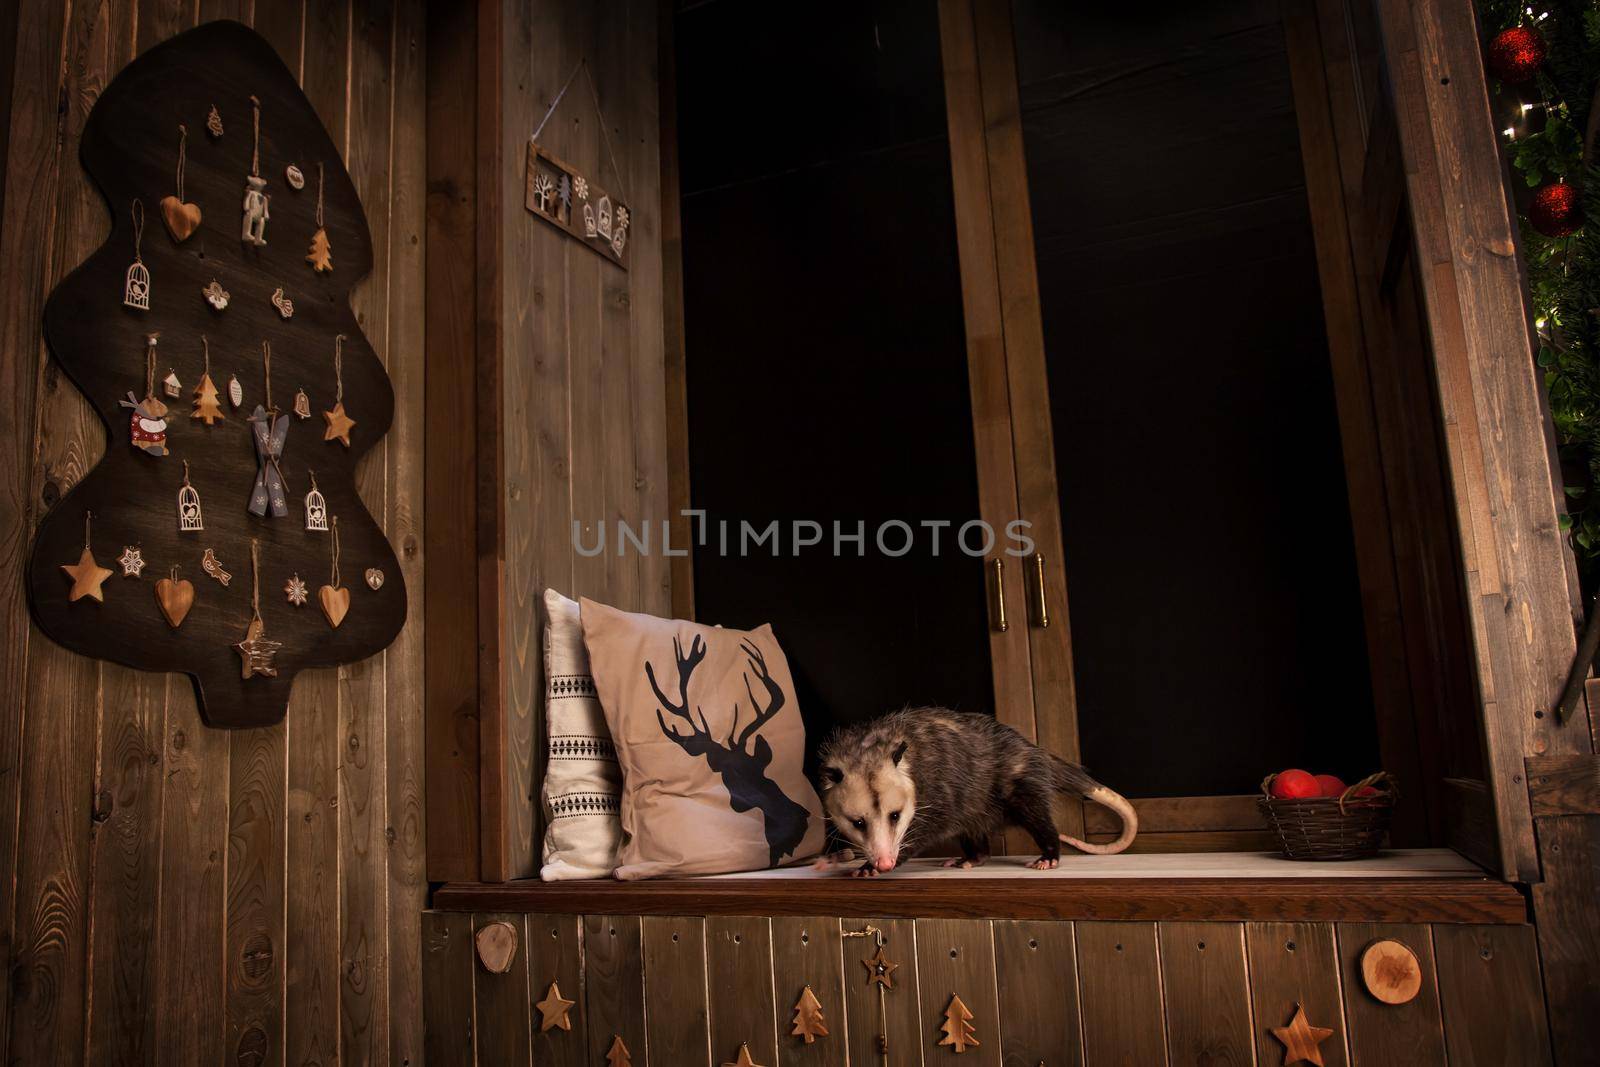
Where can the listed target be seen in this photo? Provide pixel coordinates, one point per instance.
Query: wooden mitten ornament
(244, 652)
(175, 596)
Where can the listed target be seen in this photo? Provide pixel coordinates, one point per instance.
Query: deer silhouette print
(744, 772)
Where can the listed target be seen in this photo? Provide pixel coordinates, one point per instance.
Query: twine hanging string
(266, 373)
(255, 580)
(186, 474)
(255, 152)
(338, 369)
(206, 346)
(150, 365)
(594, 92)
(87, 515)
(334, 576)
(138, 229)
(183, 154)
(319, 196)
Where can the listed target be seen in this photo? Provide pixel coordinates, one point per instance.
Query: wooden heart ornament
(181, 219)
(176, 597)
(335, 603)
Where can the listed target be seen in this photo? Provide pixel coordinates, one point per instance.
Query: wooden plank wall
(1053, 992)
(181, 893)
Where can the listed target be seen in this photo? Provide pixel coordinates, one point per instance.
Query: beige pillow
(711, 743)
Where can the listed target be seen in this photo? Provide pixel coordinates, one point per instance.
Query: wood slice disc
(497, 946)
(1391, 972)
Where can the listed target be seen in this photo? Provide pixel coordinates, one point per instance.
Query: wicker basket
(1344, 827)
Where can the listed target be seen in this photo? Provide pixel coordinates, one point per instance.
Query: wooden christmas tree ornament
(182, 218)
(808, 1019)
(175, 596)
(334, 598)
(497, 946)
(339, 424)
(554, 1010)
(617, 1055)
(206, 407)
(1391, 972)
(189, 517)
(256, 651)
(957, 1028)
(86, 575)
(321, 254)
(1300, 1039)
(132, 561)
(136, 285)
(744, 1059)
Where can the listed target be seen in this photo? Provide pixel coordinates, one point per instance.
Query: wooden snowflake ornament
(957, 1029)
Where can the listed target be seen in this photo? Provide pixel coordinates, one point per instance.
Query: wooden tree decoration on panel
(808, 1020)
(957, 1029)
(127, 148)
(617, 1054)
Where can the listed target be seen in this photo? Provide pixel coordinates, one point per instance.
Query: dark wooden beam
(1564, 785)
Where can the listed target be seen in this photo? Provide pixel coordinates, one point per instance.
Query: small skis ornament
(268, 429)
(334, 598)
(257, 203)
(147, 425)
(136, 289)
(256, 651)
(86, 575)
(182, 218)
(339, 424)
(321, 255)
(206, 407)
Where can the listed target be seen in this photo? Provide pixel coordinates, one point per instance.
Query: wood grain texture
(501, 1002)
(1119, 981)
(1390, 1033)
(901, 1018)
(1564, 785)
(1569, 937)
(447, 995)
(955, 958)
(1489, 993)
(1036, 967)
(1207, 993)
(739, 981)
(555, 954)
(1290, 964)
(676, 1026)
(674, 355)
(809, 952)
(613, 984)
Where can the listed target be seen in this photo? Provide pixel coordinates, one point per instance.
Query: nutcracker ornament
(256, 201)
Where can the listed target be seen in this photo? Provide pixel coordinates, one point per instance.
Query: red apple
(1366, 791)
(1330, 785)
(1295, 785)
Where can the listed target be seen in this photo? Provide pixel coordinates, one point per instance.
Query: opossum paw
(1045, 863)
(866, 870)
(955, 861)
(966, 863)
(831, 860)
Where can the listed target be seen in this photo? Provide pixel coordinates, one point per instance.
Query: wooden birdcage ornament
(136, 289)
(189, 518)
(316, 508)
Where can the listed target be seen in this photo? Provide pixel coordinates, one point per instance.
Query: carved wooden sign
(577, 206)
(227, 614)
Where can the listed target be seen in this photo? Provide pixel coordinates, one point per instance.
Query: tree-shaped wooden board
(131, 149)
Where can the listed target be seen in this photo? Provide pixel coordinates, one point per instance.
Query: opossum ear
(832, 775)
(899, 751)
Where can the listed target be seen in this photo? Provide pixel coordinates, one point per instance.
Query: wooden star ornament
(256, 652)
(339, 425)
(87, 577)
(880, 969)
(554, 1010)
(1300, 1039)
(744, 1059)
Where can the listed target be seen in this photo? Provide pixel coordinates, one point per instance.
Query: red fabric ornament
(1555, 211)
(1515, 55)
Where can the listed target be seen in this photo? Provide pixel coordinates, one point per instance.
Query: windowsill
(1408, 885)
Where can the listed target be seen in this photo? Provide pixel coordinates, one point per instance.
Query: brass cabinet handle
(1044, 607)
(1000, 593)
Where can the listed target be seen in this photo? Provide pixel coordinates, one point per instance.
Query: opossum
(910, 779)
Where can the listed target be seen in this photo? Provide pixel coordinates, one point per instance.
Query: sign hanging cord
(605, 134)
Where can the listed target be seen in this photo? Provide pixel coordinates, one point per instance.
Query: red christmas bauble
(1555, 211)
(1515, 55)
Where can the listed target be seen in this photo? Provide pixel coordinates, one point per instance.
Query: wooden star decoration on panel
(1300, 1039)
(744, 1059)
(87, 577)
(339, 425)
(880, 969)
(256, 652)
(554, 1010)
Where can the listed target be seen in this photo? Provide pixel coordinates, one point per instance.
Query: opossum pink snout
(884, 862)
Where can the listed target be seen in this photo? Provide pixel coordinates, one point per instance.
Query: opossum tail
(1070, 778)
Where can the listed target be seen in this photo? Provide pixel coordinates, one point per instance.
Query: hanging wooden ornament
(182, 218)
(554, 1009)
(302, 404)
(334, 598)
(268, 430)
(256, 651)
(257, 204)
(294, 177)
(880, 969)
(1391, 971)
(189, 519)
(316, 507)
(808, 1020)
(213, 568)
(170, 384)
(175, 596)
(206, 407)
(284, 305)
(214, 122)
(374, 579)
(295, 590)
(147, 425)
(957, 1028)
(87, 576)
(136, 289)
(551, 186)
(216, 295)
(339, 424)
(132, 560)
(744, 1059)
(618, 1055)
(235, 392)
(321, 255)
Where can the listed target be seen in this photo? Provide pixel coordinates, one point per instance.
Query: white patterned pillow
(582, 782)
